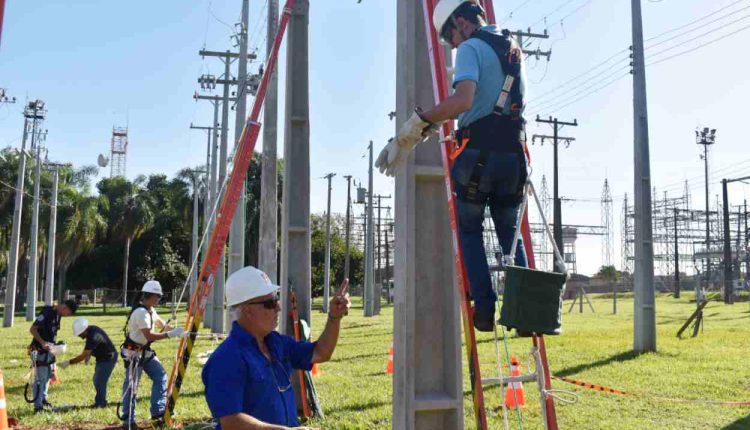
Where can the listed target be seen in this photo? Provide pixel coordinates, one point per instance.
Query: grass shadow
(623, 356)
(740, 424)
(356, 357)
(358, 407)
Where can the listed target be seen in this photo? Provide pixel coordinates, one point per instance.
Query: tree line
(148, 219)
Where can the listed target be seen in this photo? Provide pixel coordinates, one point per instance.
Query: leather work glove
(413, 131)
(176, 332)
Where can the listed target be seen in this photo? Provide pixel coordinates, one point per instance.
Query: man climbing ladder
(489, 165)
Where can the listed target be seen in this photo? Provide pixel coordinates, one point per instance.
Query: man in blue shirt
(489, 167)
(248, 378)
(44, 331)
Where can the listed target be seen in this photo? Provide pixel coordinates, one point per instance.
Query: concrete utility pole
(237, 232)
(295, 245)
(327, 269)
(49, 281)
(206, 199)
(706, 138)
(269, 205)
(644, 323)
(427, 387)
(348, 222)
(31, 282)
(369, 291)
(196, 233)
(556, 202)
(33, 114)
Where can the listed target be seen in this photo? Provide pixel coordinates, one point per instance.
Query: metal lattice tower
(627, 241)
(541, 241)
(119, 151)
(607, 223)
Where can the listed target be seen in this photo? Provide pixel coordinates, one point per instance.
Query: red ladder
(242, 158)
(441, 92)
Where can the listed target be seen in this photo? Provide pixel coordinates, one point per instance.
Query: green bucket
(532, 300)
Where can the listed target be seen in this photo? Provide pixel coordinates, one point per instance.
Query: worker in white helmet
(489, 167)
(248, 378)
(100, 346)
(143, 327)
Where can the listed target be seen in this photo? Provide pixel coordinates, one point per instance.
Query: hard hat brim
(266, 290)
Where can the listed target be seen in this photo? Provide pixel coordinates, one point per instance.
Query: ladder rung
(428, 171)
(529, 377)
(436, 401)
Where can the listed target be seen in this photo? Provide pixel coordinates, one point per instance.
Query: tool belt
(41, 356)
(492, 133)
(131, 350)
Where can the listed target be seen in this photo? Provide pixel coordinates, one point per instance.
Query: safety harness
(134, 356)
(498, 131)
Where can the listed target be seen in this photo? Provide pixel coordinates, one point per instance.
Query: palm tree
(136, 217)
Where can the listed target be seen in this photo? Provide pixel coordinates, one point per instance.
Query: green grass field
(356, 393)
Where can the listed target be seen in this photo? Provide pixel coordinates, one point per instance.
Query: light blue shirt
(476, 61)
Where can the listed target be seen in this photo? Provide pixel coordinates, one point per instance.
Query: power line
(697, 47)
(693, 22)
(702, 26)
(547, 15)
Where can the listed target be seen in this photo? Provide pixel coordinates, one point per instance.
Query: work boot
(157, 421)
(484, 320)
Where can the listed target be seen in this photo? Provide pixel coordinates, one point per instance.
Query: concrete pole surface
(369, 293)
(237, 232)
(217, 326)
(214, 190)
(196, 234)
(699, 293)
(269, 205)
(348, 223)
(644, 322)
(49, 280)
(728, 278)
(427, 384)
(12, 277)
(34, 255)
(295, 245)
(327, 269)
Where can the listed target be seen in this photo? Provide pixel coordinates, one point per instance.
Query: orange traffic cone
(3, 406)
(54, 379)
(514, 396)
(315, 371)
(389, 368)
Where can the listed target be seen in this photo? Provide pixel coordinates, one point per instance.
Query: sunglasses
(268, 304)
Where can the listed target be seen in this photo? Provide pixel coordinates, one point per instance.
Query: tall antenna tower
(544, 245)
(608, 224)
(119, 151)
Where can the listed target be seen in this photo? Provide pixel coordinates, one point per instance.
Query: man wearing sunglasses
(248, 378)
(489, 164)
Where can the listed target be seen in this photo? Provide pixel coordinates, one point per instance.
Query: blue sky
(100, 63)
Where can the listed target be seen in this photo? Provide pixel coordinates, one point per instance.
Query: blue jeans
(102, 372)
(158, 376)
(41, 385)
(502, 177)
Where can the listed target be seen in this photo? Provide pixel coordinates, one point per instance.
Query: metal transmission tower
(608, 224)
(557, 218)
(706, 137)
(118, 152)
(34, 113)
(644, 321)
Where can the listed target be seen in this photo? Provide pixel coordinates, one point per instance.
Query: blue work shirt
(240, 379)
(476, 61)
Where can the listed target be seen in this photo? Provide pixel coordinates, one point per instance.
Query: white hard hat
(248, 283)
(80, 325)
(443, 11)
(153, 287)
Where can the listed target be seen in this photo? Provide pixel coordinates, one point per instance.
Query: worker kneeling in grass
(100, 346)
(248, 378)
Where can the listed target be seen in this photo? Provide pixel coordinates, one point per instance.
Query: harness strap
(473, 195)
(510, 56)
